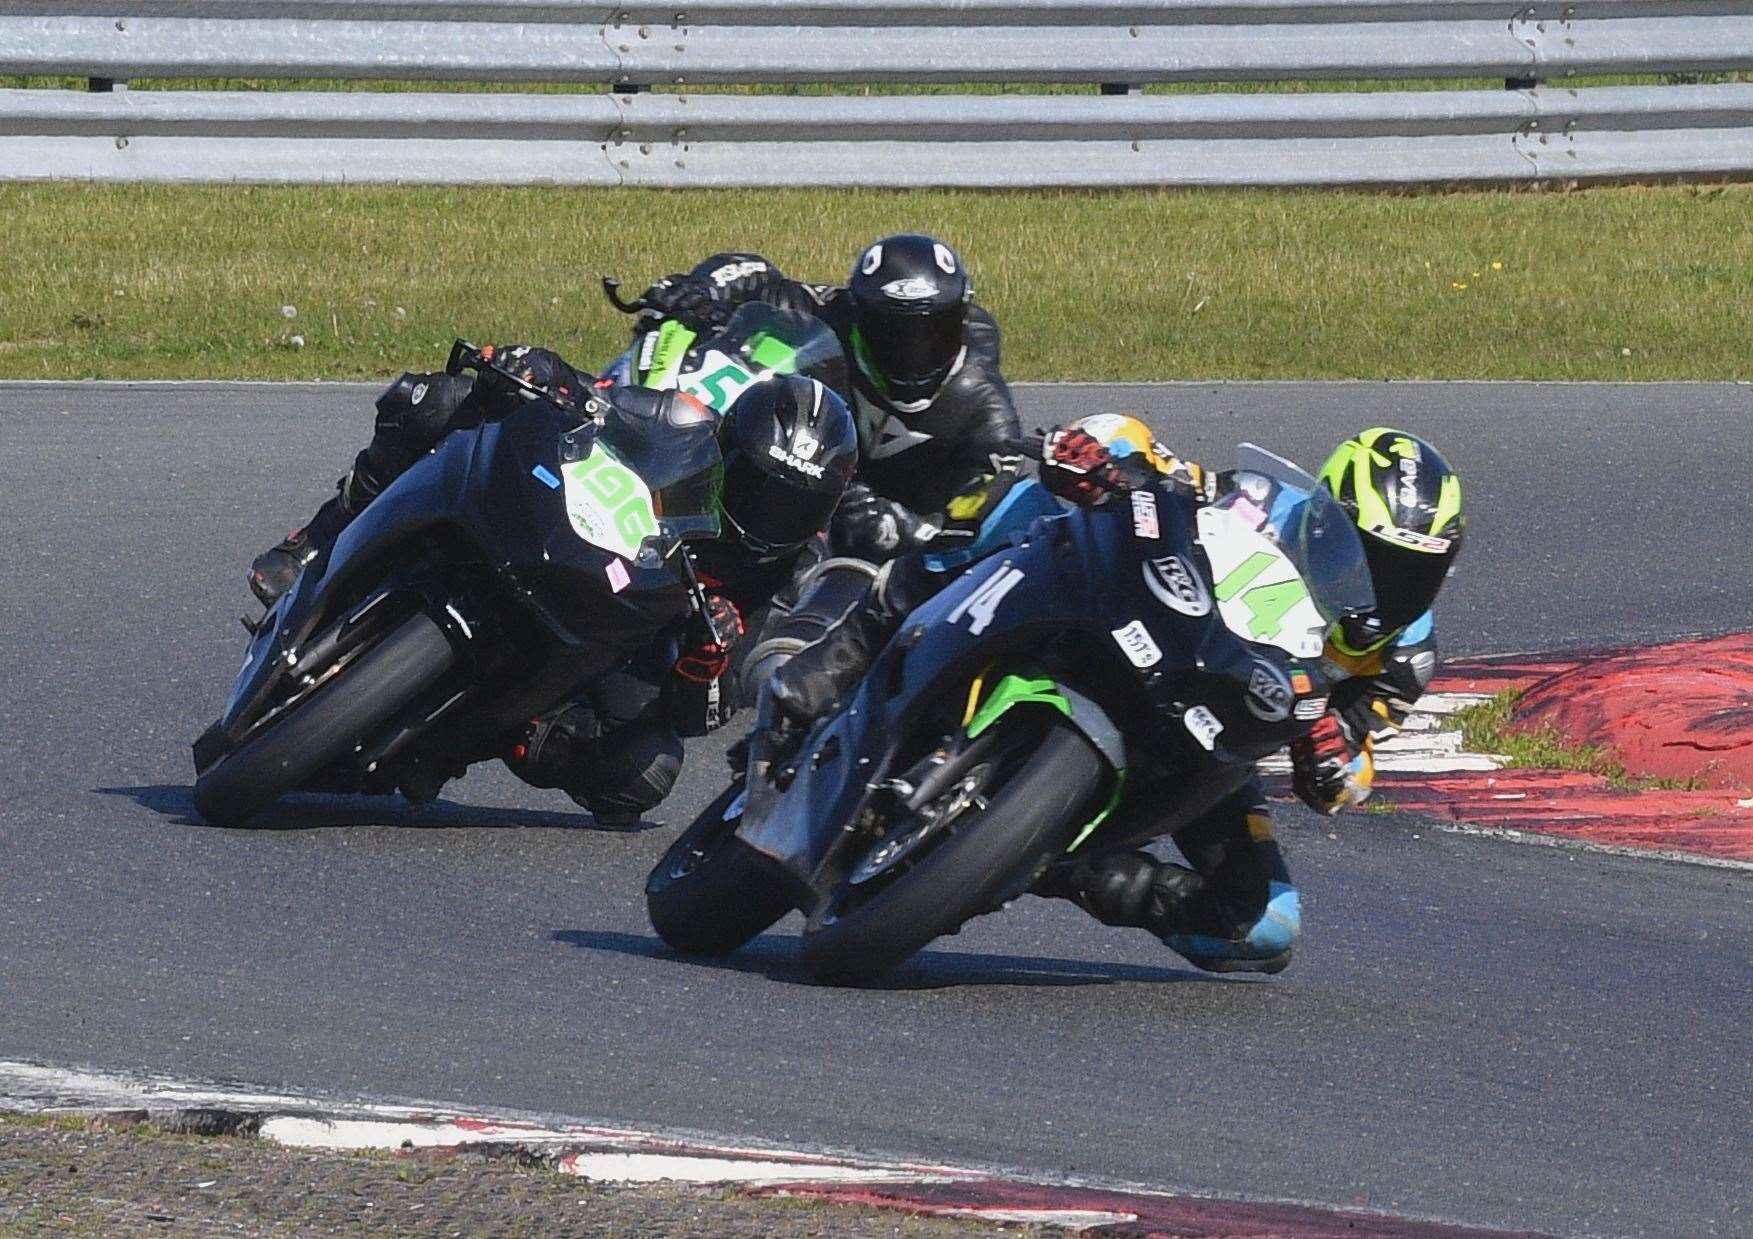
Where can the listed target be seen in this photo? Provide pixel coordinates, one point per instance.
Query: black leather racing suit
(937, 461)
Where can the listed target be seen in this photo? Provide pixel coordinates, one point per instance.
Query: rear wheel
(711, 892)
(315, 732)
(977, 845)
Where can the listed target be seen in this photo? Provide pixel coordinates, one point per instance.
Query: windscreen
(1316, 534)
(773, 341)
(671, 445)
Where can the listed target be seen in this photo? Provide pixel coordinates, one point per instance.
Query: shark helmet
(790, 448)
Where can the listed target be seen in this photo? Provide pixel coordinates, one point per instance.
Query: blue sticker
(541, 474)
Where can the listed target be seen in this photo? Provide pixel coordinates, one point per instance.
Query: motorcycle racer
(1233, 906)
(789, 448)
(935, 416)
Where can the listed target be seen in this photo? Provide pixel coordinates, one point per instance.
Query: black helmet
(909, 297)
(790, 448)
(1407, 505)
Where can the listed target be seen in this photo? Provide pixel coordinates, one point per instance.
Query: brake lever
(465, 356)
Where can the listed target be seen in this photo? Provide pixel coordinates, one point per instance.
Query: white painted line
(30, 1087)
(1574, 844)
(1075, 1220)
(1449, 703)
(312, 1133)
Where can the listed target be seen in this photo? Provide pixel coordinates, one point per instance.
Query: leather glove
(540, 367)
(1076, 467)
(870, 527)
(1325, 774)
(710, 637)
(691, 300)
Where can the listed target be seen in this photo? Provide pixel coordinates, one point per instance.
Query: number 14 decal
(1267, 604)
(981, 605)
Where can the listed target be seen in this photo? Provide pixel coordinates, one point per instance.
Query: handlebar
(612, 290)
(1029, 445)
(466, 356)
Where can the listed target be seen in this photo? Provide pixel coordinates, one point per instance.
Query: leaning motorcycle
(490, 583)
(1104, 679)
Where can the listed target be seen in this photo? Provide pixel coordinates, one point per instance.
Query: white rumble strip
(612, 1154)
(1423, 746)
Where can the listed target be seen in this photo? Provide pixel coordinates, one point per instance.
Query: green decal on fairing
(673, 342)
(1014, 690)
(1107, 811)
(772, 353)
(1267, 604)
(608, 504)
(717, 386)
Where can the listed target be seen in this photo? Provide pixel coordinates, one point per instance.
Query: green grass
(1486, 728)
(190, 282)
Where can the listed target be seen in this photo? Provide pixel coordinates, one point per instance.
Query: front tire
(989, 853)
(711, 893)
(319, 730)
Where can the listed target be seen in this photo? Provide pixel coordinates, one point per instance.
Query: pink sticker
(1249, 511)
(619, 579)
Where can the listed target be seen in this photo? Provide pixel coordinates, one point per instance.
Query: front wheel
(917, 883)
(317, 731)
(711, 893)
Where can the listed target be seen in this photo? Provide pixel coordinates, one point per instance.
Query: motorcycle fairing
(1074, 576)
(479, 486)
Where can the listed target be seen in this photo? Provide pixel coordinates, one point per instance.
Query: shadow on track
(176, 803)
(776, 958)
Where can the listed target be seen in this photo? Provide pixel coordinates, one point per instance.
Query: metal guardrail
(627, 136)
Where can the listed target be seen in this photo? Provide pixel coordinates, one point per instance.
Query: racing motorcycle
(758, 339)
(491, 583)
(1103, 680)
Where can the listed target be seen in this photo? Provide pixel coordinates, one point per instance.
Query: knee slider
(1116, 889)
(632, 768)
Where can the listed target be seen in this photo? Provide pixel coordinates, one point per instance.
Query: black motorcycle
(1104, 679)
(489, 584)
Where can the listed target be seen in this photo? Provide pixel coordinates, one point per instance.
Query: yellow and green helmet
(1406, 501)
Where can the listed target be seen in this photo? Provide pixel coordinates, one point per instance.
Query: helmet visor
(767, 512)
(1406, 581)
(912, 353)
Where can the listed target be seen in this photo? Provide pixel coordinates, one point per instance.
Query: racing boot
(1184, 909)
(275, 569)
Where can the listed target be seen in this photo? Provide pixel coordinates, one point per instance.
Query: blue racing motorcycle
(1104, 678)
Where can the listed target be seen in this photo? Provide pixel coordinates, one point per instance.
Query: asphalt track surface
(1491, 1033)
